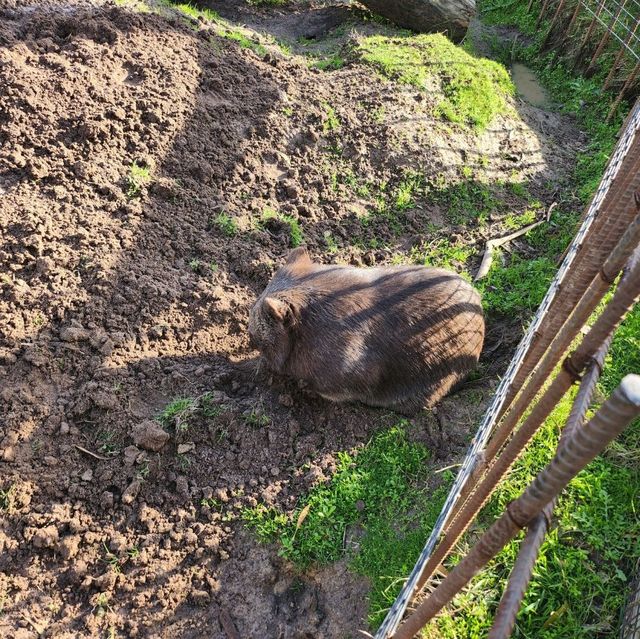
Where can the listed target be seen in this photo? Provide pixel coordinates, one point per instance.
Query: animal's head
(275, 317)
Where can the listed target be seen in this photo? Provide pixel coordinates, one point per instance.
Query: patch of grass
(332, 245)
(226, 224)
(7, 496)
(443, 253)
(257, 418)
(178, 413)
(466, 201)
(516, 289)
(331, 121)
(515, 221)
(296, 236)
(576, 95)
(588, 559)
(377, 500)
(331, 63)
(475, 89)
(404, 193)
(139, 176)
(222, 28)
(107, 443)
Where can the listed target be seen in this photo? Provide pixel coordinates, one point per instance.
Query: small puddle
(528, 86)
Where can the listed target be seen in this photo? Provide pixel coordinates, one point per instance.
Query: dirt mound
(138, 158)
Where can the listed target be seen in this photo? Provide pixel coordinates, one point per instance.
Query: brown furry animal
(400, 337)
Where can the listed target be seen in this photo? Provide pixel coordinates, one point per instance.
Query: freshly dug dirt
(119, 294)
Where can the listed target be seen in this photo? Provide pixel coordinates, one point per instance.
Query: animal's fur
(400, 336)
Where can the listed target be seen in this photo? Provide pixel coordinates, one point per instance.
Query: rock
(64, 428)
(150, 436)
(130, 455)
(131, 491)
(445, 16)
(68, 547)
(87, 475)
(285, 400)
(185, 448)
(74, 334)
(45, 537)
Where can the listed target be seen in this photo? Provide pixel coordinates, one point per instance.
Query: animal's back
(397, 336)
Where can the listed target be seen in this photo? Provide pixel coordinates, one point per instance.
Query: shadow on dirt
(127, 140)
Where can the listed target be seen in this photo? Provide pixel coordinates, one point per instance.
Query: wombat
(399, 336)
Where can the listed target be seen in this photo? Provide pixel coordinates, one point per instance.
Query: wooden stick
(487, 258)
(88, 452)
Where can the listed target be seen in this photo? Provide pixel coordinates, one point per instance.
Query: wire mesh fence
(600, 35)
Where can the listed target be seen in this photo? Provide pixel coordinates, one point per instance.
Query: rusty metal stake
(616, 62)
(623, 300)
(505, 618)
(583, 446)
(630, 80)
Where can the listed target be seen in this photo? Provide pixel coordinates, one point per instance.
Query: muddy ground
(119, 295)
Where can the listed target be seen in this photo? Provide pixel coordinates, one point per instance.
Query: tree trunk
(450, 17)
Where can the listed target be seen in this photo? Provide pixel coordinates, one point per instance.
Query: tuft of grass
(475, 90)
(377, 500)
(107, 443)
(257, 418)
(178, 413)
(404, 193)
(296, 236)
(139, 176)
(7, 496)
(331, 121)
(226, 224)
(331, 63)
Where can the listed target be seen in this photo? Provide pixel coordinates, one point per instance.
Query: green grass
(267, 3)
(331, 121)
(443, 253)
(225, 224)
(330, 63)
(517, 289)
(296, 236)
(221, 27)
(465, 202)
(139, 176)
(178, 413)
(382, 490)
(475, 90)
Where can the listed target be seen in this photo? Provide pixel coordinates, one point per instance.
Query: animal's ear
(298, 256)
(286, 313)
(276, 308)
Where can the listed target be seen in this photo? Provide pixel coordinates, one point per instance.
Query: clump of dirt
(129, 141)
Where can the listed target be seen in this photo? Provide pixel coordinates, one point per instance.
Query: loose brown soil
(115, 300)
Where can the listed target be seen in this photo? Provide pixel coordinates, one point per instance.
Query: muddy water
(528, 86)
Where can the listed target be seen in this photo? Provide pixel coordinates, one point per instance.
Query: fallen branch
(492, 245)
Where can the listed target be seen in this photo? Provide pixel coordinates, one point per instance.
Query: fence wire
(398, 609)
